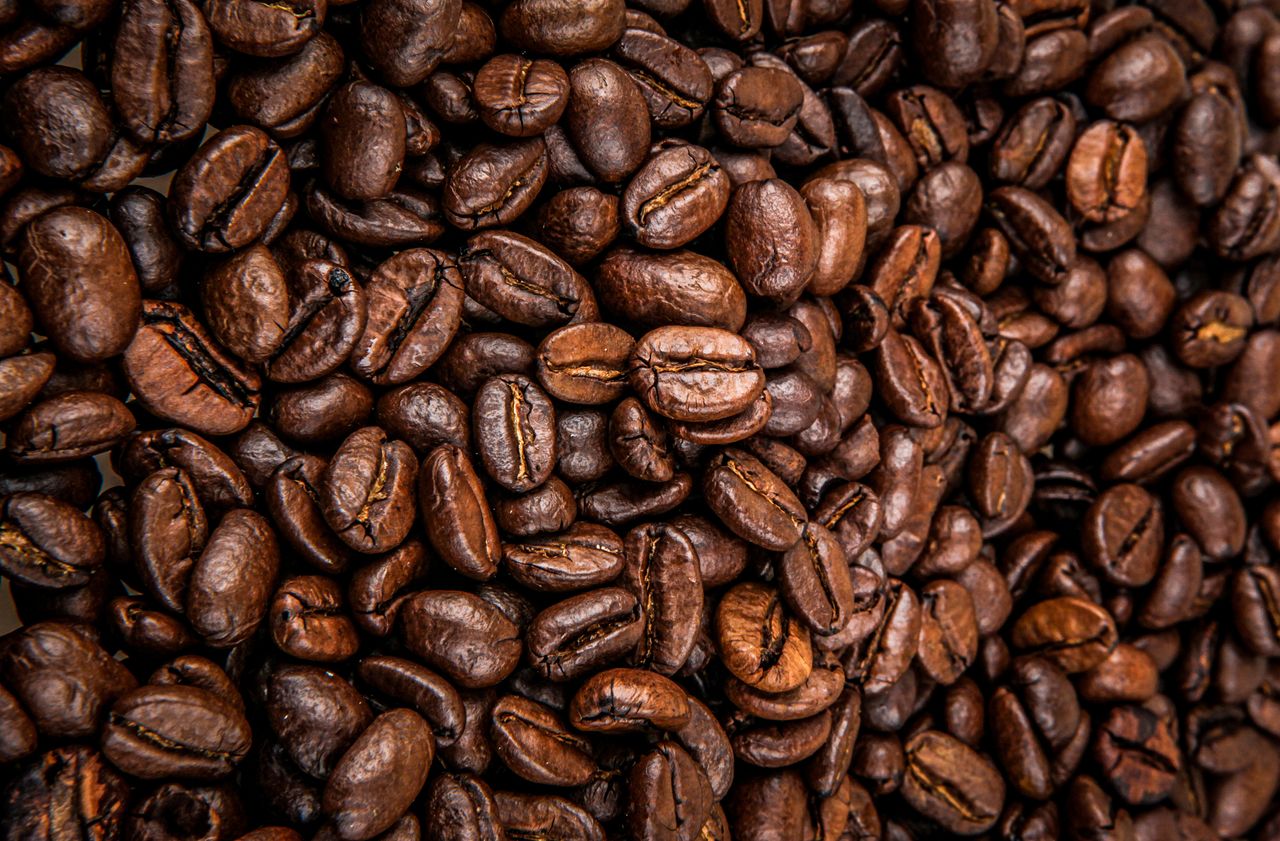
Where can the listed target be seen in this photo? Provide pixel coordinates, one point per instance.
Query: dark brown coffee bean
(676, 196)
(608, 118)
(535, 743)
(405, 39)
(669, 792)
(695, 373)
(168, 530)
(757, 107)
(771, 239)
(246, 302)
(579, 223)
(224, 197)
(1075, 634)
(682, 287)
(315, 715)
(493, 185)
(448, 629)
(362, 135)
(761, 645)
(585, 363)
(77, 276)
(549, 27)
(232, 581)
(160, 731)
(535, 814)
(583, 632)
(367, 490)
(414, 309)
(379, 776)
(284, 97)
(628, 700)
(66, 792)
(308, 621)
(524, 282)
(64, 679)
(515, 432)
(69, 426)
(753, 502)
(949, 782)
(379, 590)
(661, 571)
(263, 29)
(520, 97)
(584, 556)
(62, 126)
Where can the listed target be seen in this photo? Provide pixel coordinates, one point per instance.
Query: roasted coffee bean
(67, 791)
(161, 731)
(80, 282)
(284, 97)
(308, 622)
(180, 374)
(232, 580)
(515, 431)
(522, 281)
(676, 196)
(226, 195)
(695, 373)
(414, 309)
(447, 628)
(537, 745)
(682, 287)
(772, 240)
(168, 529)
(585, 363)
(584, 556)
(315, 715)
(583, 632)
(753, 502)
(492, 185)
(65, 681)
(660, 570)
(1074, 633)
(946, 780)
(69, 426)
(628, 700)
(367, 490)
(380, 775)
(872, 410)
(607, 118)
(1124, 530)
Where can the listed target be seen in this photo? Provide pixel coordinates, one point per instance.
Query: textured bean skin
(668, 420)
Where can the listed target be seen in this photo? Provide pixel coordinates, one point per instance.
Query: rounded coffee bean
(77, 276)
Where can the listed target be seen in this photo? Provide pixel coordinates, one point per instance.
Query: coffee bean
(367, 490)
(225, 196)
(379, 776)
(73, 254)
(160, 731)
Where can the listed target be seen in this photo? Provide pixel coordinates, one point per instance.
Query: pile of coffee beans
(670, 420)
